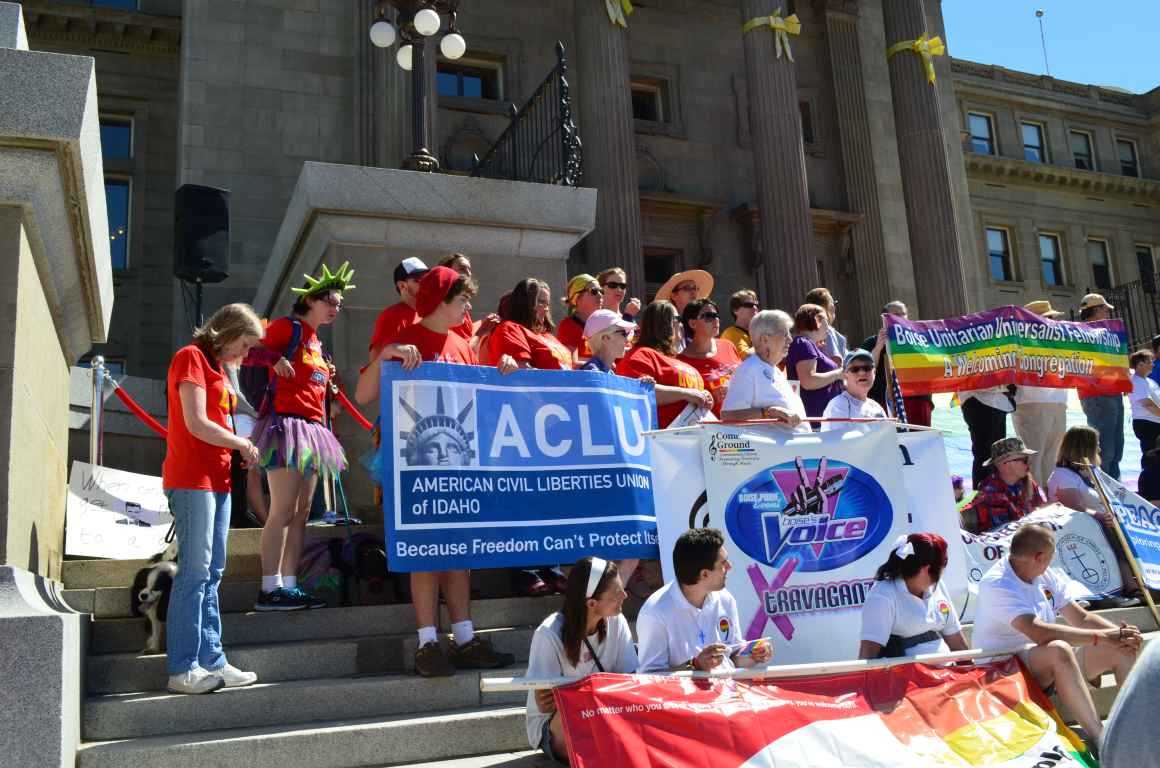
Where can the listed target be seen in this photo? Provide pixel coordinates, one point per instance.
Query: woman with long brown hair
(588, 635)
(654, 356)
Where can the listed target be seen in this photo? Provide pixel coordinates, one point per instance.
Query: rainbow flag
(907, 715)
(1008, 345)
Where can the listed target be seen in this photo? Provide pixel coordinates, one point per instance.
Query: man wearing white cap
(1105, 413)
(401, 314)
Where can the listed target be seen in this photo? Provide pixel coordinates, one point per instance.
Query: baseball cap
(857, 354)
(603, 319)
(410, 267)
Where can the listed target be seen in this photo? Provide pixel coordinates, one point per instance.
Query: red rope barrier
(140, 412)
(349, 406)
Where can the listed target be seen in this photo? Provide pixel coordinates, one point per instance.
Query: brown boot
(430, 661)
(478, 654)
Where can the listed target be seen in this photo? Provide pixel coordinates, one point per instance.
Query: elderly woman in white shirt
(759, 390)
(907, 611)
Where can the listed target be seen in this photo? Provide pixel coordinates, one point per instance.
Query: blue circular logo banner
(825, 514)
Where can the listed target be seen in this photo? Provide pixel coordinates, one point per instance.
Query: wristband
(1096, 639)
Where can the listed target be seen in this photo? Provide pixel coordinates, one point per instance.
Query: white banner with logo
(1140, 521)
(1081, 550)
(114, 514)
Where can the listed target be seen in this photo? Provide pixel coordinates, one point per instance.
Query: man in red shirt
(398, 316)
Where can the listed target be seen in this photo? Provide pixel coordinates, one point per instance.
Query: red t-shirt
(303, 394)
(716, 371)
(541, 350)
(466, 329)
(570, 332)
(669, 371)
(192, 464)
(390, 321)
(436, 347)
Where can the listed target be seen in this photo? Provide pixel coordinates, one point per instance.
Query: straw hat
(1043, 308)
(702, 278)
(1094, 300)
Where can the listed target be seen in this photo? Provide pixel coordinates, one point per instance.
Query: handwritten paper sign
(114, 514)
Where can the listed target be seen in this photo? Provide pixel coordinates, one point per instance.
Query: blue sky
(1106, 43)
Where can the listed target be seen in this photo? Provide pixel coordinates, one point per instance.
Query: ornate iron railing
(1138, 304)
(541, 144)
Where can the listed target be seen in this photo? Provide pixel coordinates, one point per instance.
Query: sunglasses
(594, 292)
(686, 288)
(709, 316)
(859, 369)
(751, 305)
(616, 286)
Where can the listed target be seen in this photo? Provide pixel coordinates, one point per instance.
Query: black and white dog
(151, 588)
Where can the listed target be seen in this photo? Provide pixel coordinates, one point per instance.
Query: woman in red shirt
(443, 299)
(196, 478)
(527, 332)
(293, 438)
(677, 384)
(715, 359)
(585, 296)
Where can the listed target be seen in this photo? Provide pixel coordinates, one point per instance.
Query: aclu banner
(808, 521)
(1140, 521)
(482, 470)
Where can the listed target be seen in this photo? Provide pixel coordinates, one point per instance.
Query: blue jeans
(193, 628)
(1105, 414)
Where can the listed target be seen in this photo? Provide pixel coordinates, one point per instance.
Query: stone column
(605, 125)
(857, 158)
(381, 101)
(926, 182)
(779, 160)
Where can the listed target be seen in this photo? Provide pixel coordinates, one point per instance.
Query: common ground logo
(730, 449)
(824, 514)
(437, 437)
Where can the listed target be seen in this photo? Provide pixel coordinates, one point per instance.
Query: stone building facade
(238, 93)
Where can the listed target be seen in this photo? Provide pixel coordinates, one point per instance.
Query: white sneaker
(234, 677)
(195, 681)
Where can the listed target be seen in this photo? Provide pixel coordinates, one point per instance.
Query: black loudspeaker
(202, 236)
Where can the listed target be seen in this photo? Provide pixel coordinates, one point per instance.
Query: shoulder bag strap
(595, 658)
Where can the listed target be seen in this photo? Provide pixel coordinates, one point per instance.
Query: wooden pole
(1135, 566)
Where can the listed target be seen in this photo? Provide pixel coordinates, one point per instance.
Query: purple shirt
(815, 400)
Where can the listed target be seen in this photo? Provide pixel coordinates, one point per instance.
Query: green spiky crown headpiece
(339, 280)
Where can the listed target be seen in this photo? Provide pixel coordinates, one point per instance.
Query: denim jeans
(1105, 414)
(194, 624)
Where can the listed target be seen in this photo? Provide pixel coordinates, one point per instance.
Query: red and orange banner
(1008, 345)
(906, 715)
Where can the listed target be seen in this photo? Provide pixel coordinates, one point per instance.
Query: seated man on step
(1019, 599)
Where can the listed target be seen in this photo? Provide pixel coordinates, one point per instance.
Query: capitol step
(336, 743)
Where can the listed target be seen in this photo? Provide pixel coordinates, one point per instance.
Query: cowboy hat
(1005, 448)
(702, 278)
(1094, 300)
(1043, 308)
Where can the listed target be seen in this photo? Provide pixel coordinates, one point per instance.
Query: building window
(469, 79)
(116, 151)
(650, 101)
(1129, 164)
(1033, 146)
(129, 5)
(1051, 258)
(807, 122)
(1081, 150)
(982, 137)
(999, 251)
(1146, 266)
(659, 265)
(1101, 268)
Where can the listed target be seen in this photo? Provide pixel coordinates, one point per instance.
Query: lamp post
(419, 21)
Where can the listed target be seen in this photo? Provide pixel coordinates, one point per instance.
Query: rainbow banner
(1008, 345)
(906, 715)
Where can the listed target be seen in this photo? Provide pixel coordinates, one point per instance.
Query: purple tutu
(291, 441)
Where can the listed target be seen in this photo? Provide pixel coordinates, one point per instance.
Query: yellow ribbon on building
(926, 47)
(619, 11)
(782, 29)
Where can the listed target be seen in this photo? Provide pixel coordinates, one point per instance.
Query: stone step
(120, 673)
(335, 743)
(524, 759)
(160, 713)
(251, 628)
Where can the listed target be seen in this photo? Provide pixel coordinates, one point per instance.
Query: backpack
(263, 394)
(350, 571)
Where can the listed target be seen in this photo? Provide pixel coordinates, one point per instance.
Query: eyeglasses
(751, 305)
(336, 303)
(616, 286)
(686, 288)
(709, 316)
(860, 369)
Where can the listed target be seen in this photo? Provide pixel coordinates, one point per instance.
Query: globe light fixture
(453, 46)
(383, 34)
(427, 22)
(404, 57)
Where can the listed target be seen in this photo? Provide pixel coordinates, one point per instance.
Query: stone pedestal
(606, 127)
(926, 182)
(375, 217)
(789, 270)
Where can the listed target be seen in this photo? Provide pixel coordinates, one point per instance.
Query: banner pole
(1135, 566)
(888, 377)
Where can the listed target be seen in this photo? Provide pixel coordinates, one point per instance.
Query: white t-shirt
(1041, 395)
(891, 609)
(846, 406)
(671, 630)
(546, 659)
(1064, 478)
(757, 384)
(1003, 597)
(1143, 389)
(996, 397)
